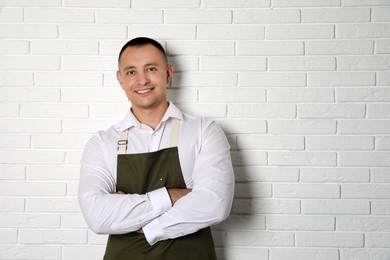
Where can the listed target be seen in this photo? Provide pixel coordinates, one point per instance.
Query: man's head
(144, 74)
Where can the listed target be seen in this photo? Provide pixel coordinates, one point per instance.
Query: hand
(176, 194)
(118, 192)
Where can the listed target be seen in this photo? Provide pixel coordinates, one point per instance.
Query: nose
(142, 79)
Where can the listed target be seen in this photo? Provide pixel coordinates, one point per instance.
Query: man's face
(144, 75)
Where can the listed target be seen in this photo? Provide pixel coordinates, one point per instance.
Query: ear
(119, 78)
(169, 73)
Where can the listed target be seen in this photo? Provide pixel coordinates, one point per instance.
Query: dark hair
(142, 41)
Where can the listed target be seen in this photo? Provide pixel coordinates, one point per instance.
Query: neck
(150, 117)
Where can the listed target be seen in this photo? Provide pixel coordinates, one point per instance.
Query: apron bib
(144, 172)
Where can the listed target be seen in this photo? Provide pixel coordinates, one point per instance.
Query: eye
(151, 69)
(130, 73)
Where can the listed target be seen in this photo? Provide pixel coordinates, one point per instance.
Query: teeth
(143, 91)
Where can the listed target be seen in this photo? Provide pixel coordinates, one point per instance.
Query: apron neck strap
(123, 137)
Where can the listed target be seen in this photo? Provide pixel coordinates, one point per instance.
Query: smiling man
(157, 180)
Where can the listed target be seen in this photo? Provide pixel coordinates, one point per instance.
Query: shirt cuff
(153, 232)
(160, 200)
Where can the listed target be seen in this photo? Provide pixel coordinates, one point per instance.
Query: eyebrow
(133, 67)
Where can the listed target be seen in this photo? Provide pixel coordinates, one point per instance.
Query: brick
(237, 222)
(261, 111)
(96, 239)
(73, 187)
(32, 189)
(372, 254)
(377, 240)
(181, 64)
(11, 15)
(58, 141)
(165, 32)
(20, 94)
(248, 253)
(230, 32)
(110, 112)
(73, 220)
(339, 47)
(14, 47)
(89, 63)
(378, 111)
(291, 222)
(51, 172)
(334, 175)
(93, 95)
(301, 63)
(9, 109)
(224, 95)
(245, 126)
(58, 15)
(302, 127)
(331, 111)
(29, 126)
(200, 48)
(363, 95)
(68, 78)
(380, 207)
(365, 191)
(8, 236)
(112, 47)
(129, 16)
(271, 16)
(266, 142)
(382, 46)
(204, 79)
(305, 3)
(365, 2)
(281, 32)
(233, 63)
(27, 3)
(363, 63)
(65, 47)
(317, 191)
(270, 48)
(252, 190)
(29, 31)
(12, 140)
(375, 159)
(329, 239)
(50, 205)
(11, 78)
(364, 126)
(54, 110)
(274, 79)
(365, 223)
(197, 16)
(339, 143)
(304, 253)
(11, 172)
(249, 158)
(31, 157)
(383, 78)
(207, 110)
(381, 14)
(376, 30)
(23, 252)
(11, 204)
(341, 79)
(234, 3)
(294, 95)
(382, 143)
(29, 63)
(98, 3)
(29, 221)
(333, 15)
(252, 238)
(266, 206)
(302, 158)
(165, 4)
(93, 31)
(53, 236)
(83, 126)
(86, 252)
(264, 174)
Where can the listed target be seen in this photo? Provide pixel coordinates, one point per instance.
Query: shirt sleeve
(107, 213)
(211, 197)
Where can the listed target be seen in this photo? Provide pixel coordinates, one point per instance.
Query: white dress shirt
(204, 154)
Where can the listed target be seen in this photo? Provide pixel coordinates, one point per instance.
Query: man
(157, 180)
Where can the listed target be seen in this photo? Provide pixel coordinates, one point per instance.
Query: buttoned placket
(155, 136)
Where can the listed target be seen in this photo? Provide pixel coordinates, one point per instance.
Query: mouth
(144, 91)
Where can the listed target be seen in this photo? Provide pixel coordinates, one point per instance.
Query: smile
(143, 91)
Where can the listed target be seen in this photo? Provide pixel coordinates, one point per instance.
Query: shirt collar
(130, 120)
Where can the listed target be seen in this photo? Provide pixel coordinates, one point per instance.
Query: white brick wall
(302, 89)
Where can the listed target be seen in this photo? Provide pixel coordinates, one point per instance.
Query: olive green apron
(139, 174)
